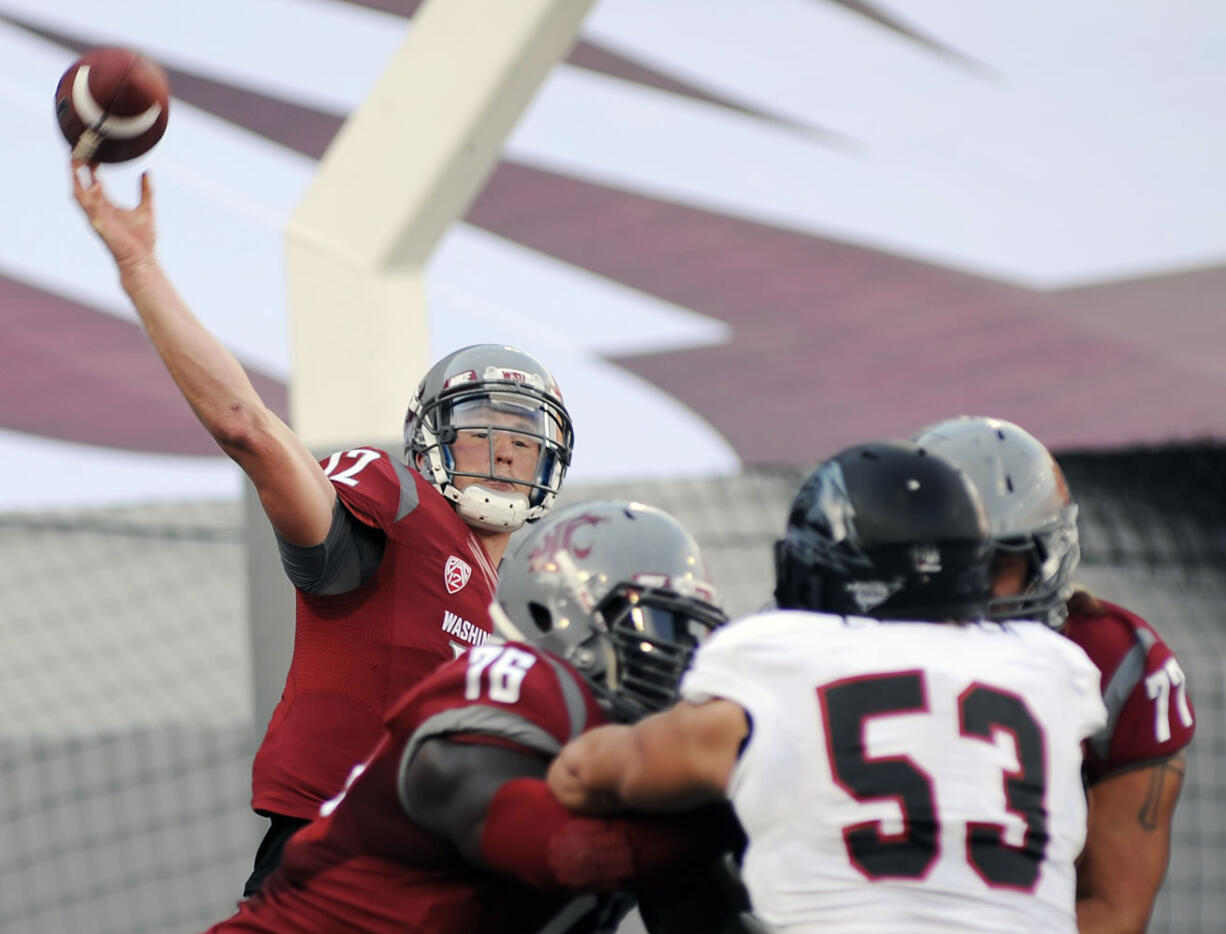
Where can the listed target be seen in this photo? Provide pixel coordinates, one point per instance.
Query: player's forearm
(528, 835)
(295, 494)
(1097, 915)
(586, 774)
(680, 758)
(1128, 840)
(210, 378)
(656, 776)
(1117, 882)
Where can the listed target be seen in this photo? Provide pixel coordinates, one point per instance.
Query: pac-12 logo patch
(456, 573)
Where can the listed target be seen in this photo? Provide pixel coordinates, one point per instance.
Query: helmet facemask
(492, 412)
(1030, 511)
(1051, 557)
(936, 581)
(649, 637)
(639, 644)
(617, 589)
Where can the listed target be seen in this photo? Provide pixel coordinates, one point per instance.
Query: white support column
(404, 167)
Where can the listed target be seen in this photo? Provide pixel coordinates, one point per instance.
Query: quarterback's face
(510, 456)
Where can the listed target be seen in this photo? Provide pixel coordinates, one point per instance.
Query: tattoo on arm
(1172, 770)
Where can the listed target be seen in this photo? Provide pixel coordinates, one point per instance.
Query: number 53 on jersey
(1005, 853)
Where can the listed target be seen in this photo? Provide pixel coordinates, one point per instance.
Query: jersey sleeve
(529, 836)
(374, 486)
(1149, 709)
(734, 664)
(1074, 679)
(745, 662)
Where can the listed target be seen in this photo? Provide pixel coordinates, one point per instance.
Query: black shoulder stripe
(408, 487)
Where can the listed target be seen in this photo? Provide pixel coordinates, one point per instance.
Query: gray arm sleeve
(447, 788)
(346, 559)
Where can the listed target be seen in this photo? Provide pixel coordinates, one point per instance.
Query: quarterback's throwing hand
(128, 233)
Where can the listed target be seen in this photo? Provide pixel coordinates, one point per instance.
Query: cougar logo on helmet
(569, 537)
(622, 604)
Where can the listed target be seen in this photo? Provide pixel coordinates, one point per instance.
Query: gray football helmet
(617, 589)
(489, 388)
(1029, 508)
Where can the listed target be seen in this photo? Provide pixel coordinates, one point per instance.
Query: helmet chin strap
(491, 510)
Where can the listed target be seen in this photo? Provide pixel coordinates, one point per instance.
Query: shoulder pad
(1149, 711)
(374, 486)
(511, 693)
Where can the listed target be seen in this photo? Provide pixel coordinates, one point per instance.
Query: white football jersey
(906, 777)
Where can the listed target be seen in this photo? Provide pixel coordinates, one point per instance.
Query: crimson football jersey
(363, 865)
(356, 653)
(1149, 713)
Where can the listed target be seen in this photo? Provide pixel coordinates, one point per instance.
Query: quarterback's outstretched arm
(671, 761)
(1128, 844)
(293, 490)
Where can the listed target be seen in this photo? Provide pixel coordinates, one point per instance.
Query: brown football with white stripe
(112, 105)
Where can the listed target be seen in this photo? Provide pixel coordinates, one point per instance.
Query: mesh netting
(126, 728)
(125, 735)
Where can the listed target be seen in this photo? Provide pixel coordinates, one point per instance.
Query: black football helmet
(619, 590)
(886, 530)
(1030, 510)
(471, 389)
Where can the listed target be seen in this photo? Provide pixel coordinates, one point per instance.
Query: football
(112, 105)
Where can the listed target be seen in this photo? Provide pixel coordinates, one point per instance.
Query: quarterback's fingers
(85, 181)
(80, 177)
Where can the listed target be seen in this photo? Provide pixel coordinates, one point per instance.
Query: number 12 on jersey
(846, 708)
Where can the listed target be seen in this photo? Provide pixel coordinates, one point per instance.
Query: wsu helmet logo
(456, 573)
(571, 537)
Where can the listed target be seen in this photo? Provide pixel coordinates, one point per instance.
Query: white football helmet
(1029, 508)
